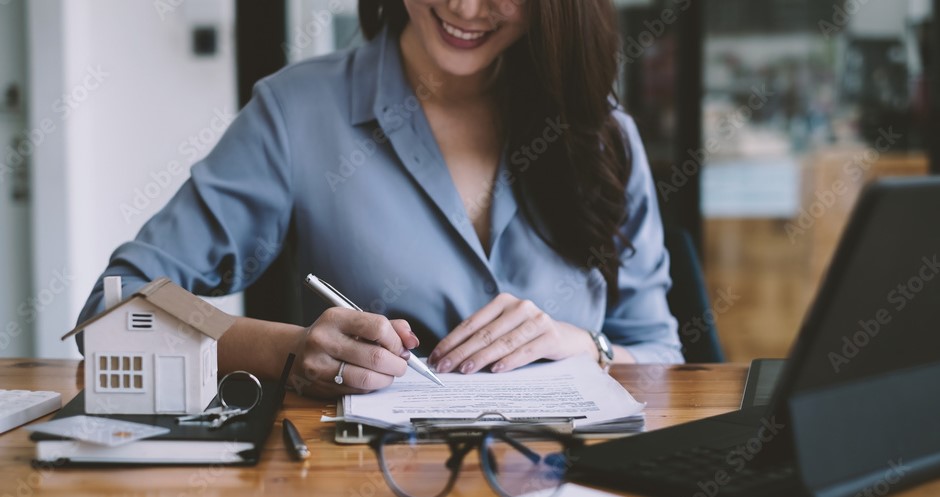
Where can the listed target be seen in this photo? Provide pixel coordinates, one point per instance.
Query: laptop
(857, 403)
(761, 381)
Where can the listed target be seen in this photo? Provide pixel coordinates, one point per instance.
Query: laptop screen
(859, 386)
(879, 308)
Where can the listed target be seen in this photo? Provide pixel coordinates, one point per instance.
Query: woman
(464, 177)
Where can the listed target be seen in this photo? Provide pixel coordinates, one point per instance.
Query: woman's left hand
(505, 334)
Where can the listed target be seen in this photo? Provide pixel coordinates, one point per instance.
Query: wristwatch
(605, 351)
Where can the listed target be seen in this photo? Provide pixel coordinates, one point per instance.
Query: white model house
(153, 353)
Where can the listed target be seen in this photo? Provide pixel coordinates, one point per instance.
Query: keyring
(258, 389)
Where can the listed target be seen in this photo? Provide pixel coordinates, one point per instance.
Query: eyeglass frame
(475, 437)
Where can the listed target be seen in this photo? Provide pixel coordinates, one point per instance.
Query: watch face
(603, 344)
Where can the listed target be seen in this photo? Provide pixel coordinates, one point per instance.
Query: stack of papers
(570, 490)
(574, 388)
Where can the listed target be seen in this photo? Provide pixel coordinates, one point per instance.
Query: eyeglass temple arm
(531, 455)
(527, 452)
(457, 453)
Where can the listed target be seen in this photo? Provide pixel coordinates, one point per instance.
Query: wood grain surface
(674, 394)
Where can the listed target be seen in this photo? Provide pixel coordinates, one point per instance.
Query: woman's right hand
(374, 348)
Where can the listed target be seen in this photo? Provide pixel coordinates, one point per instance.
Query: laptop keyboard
(707, 470)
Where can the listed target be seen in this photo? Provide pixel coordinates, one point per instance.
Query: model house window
(140, 321)
(121, 373)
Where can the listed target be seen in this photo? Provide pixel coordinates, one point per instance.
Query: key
(214, 417)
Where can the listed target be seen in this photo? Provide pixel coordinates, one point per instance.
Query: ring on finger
(339, 375)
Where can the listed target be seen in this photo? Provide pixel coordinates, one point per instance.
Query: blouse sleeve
(227, 222)
(639, 319)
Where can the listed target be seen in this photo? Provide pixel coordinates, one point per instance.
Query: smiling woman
(497, 184)
(541, 77)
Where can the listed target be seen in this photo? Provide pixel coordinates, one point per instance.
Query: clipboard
(353, 432)
(539, 392)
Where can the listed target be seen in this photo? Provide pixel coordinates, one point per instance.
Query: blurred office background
(763, 120)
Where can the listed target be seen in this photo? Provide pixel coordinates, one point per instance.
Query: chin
(462, 68)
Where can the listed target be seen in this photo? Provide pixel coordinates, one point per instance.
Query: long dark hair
(563, 71)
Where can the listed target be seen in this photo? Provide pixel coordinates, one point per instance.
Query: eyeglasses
(516, 459)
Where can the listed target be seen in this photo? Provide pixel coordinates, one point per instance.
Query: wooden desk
(673, 395)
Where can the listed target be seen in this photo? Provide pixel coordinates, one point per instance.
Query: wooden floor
(772, 267)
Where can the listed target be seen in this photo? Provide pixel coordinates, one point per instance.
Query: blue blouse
(338, 147)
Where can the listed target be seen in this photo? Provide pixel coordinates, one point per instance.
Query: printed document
(574, 387)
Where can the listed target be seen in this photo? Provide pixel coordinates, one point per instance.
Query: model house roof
(177, 302)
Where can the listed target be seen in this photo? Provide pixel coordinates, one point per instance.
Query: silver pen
(332, 295)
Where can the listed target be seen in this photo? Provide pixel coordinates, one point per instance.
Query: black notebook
(238, 442)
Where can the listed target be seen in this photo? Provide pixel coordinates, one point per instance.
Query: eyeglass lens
(515, 463)
(420, 466)
(518, 463)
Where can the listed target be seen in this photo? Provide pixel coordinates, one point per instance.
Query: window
(140, 321)
(120, 373)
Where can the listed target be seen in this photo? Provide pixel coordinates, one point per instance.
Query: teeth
(463, 35)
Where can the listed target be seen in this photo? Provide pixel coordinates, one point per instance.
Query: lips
(461, 38)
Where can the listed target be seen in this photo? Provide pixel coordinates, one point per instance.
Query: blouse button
(490, 287)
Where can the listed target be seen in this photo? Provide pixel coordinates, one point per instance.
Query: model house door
(170, 380)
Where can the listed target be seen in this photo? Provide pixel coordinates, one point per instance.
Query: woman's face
(464, 37)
